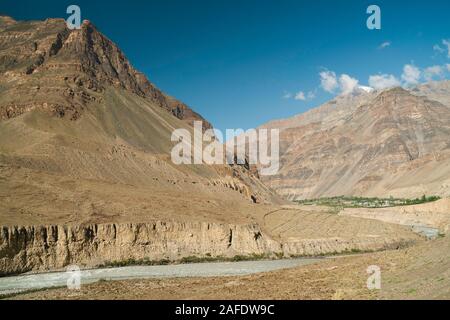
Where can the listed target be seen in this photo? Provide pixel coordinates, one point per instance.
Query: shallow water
(429, 232)
(22, 283)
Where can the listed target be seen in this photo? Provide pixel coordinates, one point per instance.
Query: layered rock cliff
(50, 247)
(48, 67)
(43, 248)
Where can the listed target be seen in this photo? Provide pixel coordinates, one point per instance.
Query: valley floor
(419, 272)
(411, 267)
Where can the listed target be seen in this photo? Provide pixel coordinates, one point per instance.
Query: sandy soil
(302, 222)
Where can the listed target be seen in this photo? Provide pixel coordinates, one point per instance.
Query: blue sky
(241, 63)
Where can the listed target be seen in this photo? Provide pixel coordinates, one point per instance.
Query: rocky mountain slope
(46, 66)
(393, 142)
(85, 138)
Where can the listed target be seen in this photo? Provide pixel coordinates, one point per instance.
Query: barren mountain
(46, 66)
(84, 137)
(394, 142)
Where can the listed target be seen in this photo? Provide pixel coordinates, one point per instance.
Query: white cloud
(411, 74)
(438, 48)
(383, 81)
(448, 67)
(432, 72)
(366, 88)
(328, 81)
(447, 44)
(287, 95)
(385, 45)
(300, 96)
(347, 84)
(312, 95)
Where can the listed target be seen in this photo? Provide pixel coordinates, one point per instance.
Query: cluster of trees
(366, 202)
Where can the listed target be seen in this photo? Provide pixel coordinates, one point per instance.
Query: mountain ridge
(378, 144)
(88, 56)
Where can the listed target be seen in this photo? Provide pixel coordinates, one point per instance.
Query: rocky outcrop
(68, 69)
(24, 249)
(43, 248)
(236, 185)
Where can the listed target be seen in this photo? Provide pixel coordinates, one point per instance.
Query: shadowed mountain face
(85, 138)
(379, 144)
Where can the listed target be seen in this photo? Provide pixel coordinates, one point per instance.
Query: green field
(364, 202)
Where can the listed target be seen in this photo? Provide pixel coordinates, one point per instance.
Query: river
(27, 282)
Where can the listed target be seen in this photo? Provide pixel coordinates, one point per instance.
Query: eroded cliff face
(43, 248)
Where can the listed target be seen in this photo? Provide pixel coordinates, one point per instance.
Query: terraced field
(321, 222)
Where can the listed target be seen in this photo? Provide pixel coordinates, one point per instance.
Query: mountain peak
(366, 89)
(395, 90)
(86, 23)
(77, 63)
(372, 144)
